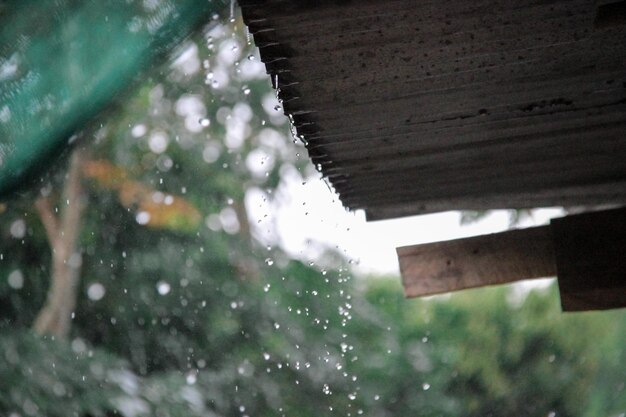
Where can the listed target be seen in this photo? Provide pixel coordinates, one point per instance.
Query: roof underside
(413, 107)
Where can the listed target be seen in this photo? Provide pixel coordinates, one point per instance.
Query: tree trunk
(62, 231)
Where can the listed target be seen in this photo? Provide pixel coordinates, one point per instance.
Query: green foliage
(47, 377)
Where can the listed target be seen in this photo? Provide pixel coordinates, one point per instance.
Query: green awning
(62, 62)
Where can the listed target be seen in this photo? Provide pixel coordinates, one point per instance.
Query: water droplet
(269, 261)
(143, 217)
(18, 229)
(277, 107)
(16, 279)
(191, 378)
(204, 122)
(266, 356)
(425, 386)
(96, 291)
(163, 287)
(266, 288)
(251, 57)
(232, 11)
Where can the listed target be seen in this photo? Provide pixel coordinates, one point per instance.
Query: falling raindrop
(143, 217)
(232, 11)
(96, 291)
(18, 229)
(425, 386)
(16, 279)
(163, 287)
(191, 378)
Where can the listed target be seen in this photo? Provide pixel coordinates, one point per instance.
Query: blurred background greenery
(183, 306)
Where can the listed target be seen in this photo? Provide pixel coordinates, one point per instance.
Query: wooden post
(590, 251)
(477, 261)
(586, 251)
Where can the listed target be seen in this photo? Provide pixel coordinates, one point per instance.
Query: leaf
(164, 211)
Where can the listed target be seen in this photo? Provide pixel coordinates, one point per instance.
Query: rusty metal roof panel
(414, 107)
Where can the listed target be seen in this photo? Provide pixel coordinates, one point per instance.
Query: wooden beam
(587, 251)
(500, 258)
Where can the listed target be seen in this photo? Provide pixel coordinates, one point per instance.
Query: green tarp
(63, 61)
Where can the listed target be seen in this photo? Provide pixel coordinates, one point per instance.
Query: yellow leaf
(164, 211)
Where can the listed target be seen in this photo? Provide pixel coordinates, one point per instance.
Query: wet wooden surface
(590, 254)
(499, 258)
(414, 107)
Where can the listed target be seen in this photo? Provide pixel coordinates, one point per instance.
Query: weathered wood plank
(500, 258)
(572, 196)
(590, 253)
(412, 107)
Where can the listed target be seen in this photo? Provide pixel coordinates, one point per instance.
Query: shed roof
(415, 107)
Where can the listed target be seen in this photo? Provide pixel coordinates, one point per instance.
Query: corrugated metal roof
(411, 106)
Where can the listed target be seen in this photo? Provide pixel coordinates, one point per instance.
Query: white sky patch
(310, 212)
